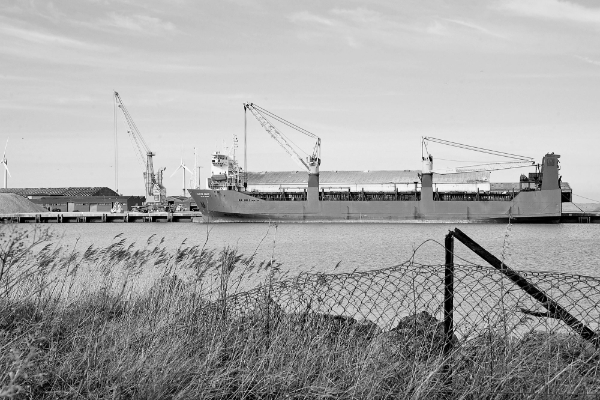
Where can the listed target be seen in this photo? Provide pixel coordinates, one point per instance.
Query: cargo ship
(230, 195)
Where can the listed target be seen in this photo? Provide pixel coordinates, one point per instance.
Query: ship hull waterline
(236, 206)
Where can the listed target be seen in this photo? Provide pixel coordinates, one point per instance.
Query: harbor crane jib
(517, 161)
(155, 191)
(310, 163)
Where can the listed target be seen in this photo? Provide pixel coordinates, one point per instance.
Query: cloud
(139, 24)
(588, 60)
(337, 27)
(306, 17)
(102, 57)
(360, 25)
(552, 9)
(42, 37)
(73, 100)
(474, 27)
(353, 26)
(359, 15)
(436, 28)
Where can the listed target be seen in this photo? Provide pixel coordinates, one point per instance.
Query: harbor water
(344, 247)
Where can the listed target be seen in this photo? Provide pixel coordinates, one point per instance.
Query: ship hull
(535, 206)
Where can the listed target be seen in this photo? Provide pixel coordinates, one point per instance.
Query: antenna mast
(195, 185)
(116, 148)
(245, 150)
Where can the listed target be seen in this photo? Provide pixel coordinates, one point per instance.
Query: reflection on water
(568, 248)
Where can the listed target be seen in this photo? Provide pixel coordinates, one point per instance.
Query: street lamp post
(199, 179)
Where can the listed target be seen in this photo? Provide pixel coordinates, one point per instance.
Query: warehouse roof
(360, 177)
(66, 191)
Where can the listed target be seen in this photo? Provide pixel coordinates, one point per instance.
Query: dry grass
(178, 338)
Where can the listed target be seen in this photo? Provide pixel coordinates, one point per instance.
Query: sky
(369, 78)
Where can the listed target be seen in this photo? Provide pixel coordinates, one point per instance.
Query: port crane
(155, 191)
(312, 161)
(517, 161)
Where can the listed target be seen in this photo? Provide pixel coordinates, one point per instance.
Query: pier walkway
(99, 217)
(130, 217)
(580, 218)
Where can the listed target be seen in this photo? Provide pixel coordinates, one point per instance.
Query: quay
(98, 217)
(135, 217)
(580, 218)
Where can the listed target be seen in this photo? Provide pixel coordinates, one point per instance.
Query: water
(571, 248)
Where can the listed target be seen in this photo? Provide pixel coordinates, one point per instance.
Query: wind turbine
(184, 168)
(5, 163)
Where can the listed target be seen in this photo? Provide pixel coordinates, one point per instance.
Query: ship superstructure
(225, 173)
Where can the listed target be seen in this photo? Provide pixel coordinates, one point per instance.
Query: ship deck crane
(312, 162)
(155, 191)
(517, 160)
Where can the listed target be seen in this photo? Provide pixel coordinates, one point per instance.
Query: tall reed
(179, 336)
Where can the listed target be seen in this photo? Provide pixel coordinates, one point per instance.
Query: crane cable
(283, 121)
(132, 122)
(136, 138)
(479, 149)
(137, 145)
(293, 126)
(501, 166)
(134, 131)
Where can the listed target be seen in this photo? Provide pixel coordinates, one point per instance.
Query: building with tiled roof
(33, 193)
(81, 199)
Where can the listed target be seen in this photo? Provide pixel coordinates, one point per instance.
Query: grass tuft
(183, 335)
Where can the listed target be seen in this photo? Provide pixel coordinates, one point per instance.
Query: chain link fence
(484, 299)
(504, 343)
(452, 331)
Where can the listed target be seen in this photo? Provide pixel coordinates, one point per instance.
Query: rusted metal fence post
(555, 310)
(448, 308)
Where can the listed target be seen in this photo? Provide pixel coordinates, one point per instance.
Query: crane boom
(495, 166)
(155, 192)
(137, 137)
(484, 167)
(518, 161)
(312, 162)
(477, 149)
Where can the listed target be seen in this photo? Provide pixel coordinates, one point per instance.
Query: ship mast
(245, 149)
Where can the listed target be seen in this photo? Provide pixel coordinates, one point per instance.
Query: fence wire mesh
(484, 299)
(373, 334)
(505, 343)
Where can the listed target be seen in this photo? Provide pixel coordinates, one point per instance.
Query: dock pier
(580, 218)
(136, 217)
(98, 217)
